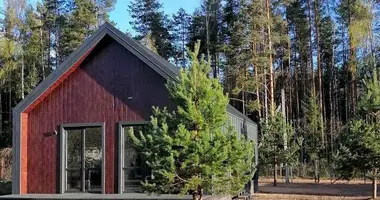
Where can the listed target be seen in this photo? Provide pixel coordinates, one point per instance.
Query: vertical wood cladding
(111, 85)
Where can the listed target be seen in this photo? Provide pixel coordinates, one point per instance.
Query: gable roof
(153, 60)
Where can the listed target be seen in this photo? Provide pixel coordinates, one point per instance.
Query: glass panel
(92, 163)
(94, 180)
(132, 179)
(130, 155)
(134, 167)
(93, 147)
(73, 180)
(133, 174)
(74, 148)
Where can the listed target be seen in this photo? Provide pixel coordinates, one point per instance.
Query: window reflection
(84, 159)
(74, 143)
(134, 167)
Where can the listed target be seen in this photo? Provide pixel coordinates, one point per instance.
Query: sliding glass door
(83, 158)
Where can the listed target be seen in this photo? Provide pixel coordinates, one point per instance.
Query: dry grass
(307, 189)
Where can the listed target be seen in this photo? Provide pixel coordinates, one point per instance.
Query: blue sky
(121, 16)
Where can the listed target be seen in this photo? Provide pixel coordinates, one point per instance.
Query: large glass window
(83, 159)
(74, 159)
(134, 169)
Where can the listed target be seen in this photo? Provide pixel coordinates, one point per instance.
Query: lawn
(307, 189)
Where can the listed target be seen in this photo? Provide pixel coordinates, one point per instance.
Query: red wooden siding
(24, 143)
(98, 91)
(60, 80)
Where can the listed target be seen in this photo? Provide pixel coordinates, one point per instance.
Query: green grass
(5, 187)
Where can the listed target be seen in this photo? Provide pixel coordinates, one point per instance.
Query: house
(69, 132)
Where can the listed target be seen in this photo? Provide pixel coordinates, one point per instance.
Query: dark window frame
(63, 153)
(121, 136)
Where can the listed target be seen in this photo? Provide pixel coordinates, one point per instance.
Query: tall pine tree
(187, 150)
(149, 19)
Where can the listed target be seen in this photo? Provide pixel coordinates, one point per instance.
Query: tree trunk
(200, 193)
(319, 67)
(207, 20)
(352, 67)
(258, 90)
(289, 79)
(1, 113)
(311, 47)
(316, 171)
(270, 60)
(49, 50)
(374, 183)
(10, 97)
(42, 54)
(195, 196)
(22, 74)
(274, 171)
(265, 95)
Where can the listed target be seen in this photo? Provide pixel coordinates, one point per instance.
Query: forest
(305, 70)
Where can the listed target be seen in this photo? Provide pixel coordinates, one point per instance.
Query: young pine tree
(360, 151)
(278, 144)
(314, 134)
(187, 150)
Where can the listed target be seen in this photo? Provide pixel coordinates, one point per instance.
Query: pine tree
(32, 49)
(241, 68)
(313, 135)
(207, 26)
(360, 145)
(187, 150)
(79, 25)
(232, 37)
(54, 21)
(198, 31)
(246, 55)
(276, 133)
(356, 17)
(11, 70)
(327, 47)
(103, 8)
(149, 42)
(180, 28)
(148, 18)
